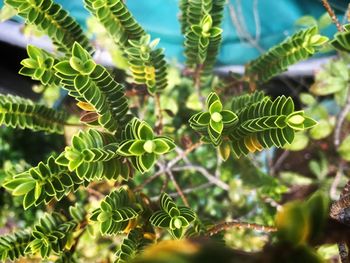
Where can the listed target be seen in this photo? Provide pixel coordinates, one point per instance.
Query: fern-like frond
(200, 22)
(267, 123)
(93, 156)
(116, 18)
(43, 183)
(39, 66)
(243, 101)
(299, 46)
(18, 112)
(175, 219)
(54, 21)
(147, 64)
(183, 4)
(12, 246)
(51, 234)
(117, 213)
(91, 83)
(131, 246)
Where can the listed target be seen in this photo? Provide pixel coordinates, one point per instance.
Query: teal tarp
(276, 20)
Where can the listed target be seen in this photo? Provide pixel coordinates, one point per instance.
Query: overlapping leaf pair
(118, 212)
(215, 122)
(175, 219)
(299, 46)
(91, 83)
(142, 147)
(93, 156)
(18, 112)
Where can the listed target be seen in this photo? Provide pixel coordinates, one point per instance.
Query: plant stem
(211, 178)
(332, 15)
(158, 109)
(340, 120)
(178, 188)
(197, 84)
(184, 154)
(192, 189)
(237, 224)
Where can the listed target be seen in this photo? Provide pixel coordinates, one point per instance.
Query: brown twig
(165, 167)
(340, 120)
(197, 83)
(184, 154)
(158, 109)
(332, 15)
(211, 178)
(335, 183)
(237, 224)
(178, 188)
(149, 180)
(279, 162)
(94, 193)
(192, 189)
(83, 227)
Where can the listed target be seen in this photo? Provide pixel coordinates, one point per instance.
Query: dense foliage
(157, 134)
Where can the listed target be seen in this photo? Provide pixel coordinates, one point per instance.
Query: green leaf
(137, 147)
(197, 30)
(216, 106)
(79, 52)
(161, 147)
(306, 21)
(145, 132)
(215, 32)
(65, 68)
(23, 188)
(322, 130)
(344, 148)
(7, 12)
(29, 199)
(299, 143)
(147, 160)
(124, 148)
(203, 118)
(217, 126)
(224, 150)
(228, 116)
(324, 21)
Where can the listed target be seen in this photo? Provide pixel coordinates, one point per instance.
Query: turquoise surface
(276, 20)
